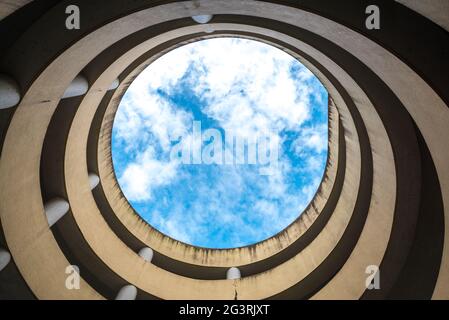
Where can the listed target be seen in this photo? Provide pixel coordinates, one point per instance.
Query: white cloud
(313, 137)
(147, 173)
(175, 226)
(273, 99)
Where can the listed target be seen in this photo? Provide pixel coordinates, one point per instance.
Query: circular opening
(221, 143)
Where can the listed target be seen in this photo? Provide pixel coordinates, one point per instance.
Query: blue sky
(234, 85)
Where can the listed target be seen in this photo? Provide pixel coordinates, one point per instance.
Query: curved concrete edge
(377, 227)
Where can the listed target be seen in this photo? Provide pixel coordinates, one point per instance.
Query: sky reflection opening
(221, 143)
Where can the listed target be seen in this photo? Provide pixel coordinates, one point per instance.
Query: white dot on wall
(77, 87)
(5, 258)
(55, 209)
(233, 274)
(9, 92)
(114, 84)
(128, 292)
(202, 19)
(94, 180)
(146, 254)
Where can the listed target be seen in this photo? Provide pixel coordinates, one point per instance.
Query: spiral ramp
(383, 202)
